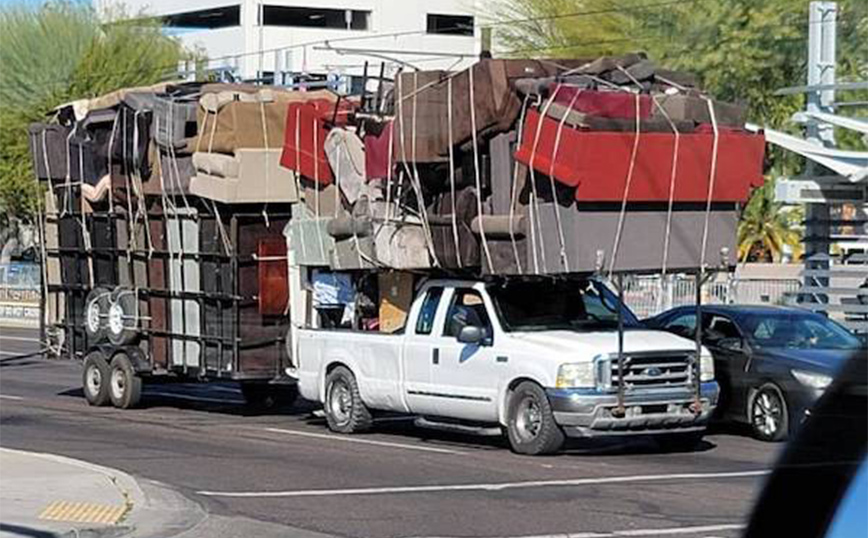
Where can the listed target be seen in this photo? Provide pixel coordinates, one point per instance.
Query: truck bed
(375, 358)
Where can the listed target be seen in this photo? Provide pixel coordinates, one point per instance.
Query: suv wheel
(769, 419)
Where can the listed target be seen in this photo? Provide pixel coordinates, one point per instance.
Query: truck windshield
(578, 305)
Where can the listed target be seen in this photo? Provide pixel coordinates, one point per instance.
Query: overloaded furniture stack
(168, 204)
(528, 167)
(193, 198)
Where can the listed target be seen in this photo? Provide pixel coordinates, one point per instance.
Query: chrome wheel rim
(116, 318)
(93, 379)
(340, 402)
(767, 413)
(118, 383)
(528, 419)
(93, 312)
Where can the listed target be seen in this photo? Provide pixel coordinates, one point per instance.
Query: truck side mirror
(470, 334)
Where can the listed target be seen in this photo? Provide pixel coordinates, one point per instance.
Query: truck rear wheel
(345, 412)
(125, 386)
(531, 425)
(95, 379)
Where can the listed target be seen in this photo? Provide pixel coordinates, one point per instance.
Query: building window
(305, 17)
(450, 24)
(219, 17)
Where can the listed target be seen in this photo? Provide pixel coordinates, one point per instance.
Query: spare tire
(96, 307)
(122, 320)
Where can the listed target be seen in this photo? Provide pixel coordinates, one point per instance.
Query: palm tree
(766, 228)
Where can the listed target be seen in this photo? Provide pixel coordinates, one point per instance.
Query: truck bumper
(592, 413)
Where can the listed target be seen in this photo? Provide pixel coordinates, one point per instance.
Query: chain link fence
(650, 295)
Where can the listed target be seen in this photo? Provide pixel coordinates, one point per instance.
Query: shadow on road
(20, 530)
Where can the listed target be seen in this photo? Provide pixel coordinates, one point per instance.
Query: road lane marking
(348, 439)
(195, 398)
(484, 487)
(21, 354)
(8, 397)
(673, 531)
(20, 339)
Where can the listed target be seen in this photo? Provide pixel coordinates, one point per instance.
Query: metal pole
(821, 70)
(620, 411)
(697, 383)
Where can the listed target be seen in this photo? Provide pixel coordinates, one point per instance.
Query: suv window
(467, 309)
(425, 323)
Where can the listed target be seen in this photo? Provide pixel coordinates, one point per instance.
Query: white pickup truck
(536, 358)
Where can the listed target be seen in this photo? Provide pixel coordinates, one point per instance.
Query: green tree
(57, 53)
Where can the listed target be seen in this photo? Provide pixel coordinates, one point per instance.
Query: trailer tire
(95, 379)
(344, 409)
(96, 308)
(531, 426)
(122, 319)
(264, 396)
(125, 387)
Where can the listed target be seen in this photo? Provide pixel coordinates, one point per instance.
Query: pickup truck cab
(535, 357)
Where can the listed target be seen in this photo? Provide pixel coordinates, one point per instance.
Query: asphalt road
(285, 467)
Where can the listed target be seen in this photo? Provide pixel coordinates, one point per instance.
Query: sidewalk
(44, 496)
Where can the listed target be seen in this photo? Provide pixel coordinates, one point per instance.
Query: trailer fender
(141, 364)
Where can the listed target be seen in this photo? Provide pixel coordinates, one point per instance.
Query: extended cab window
(425, 324)
(467, 309)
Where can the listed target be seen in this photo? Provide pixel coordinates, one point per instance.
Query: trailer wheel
(125, 386)
(122, 319)
(96, 308)
(266, 396)
(345, 412)
(95, 379)
(531, 426)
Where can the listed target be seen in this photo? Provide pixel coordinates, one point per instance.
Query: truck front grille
(651, 370)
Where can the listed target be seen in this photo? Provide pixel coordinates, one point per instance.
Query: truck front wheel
(531, 426)
(344, 409)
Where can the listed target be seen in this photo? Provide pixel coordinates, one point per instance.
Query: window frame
(439, 290)
(489, 328)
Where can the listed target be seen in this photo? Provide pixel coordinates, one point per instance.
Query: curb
(154, 510)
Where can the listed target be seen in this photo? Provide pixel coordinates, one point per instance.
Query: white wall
(302, 46)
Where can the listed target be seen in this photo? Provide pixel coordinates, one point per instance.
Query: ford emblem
(654, 371)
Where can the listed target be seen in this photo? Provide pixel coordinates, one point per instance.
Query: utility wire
(173, 68)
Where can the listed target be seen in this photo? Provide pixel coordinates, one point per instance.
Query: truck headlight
(706, 367)
(812, 380)
(573, 375)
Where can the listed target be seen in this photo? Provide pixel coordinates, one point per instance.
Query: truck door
(420, 354)
(467, 374)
